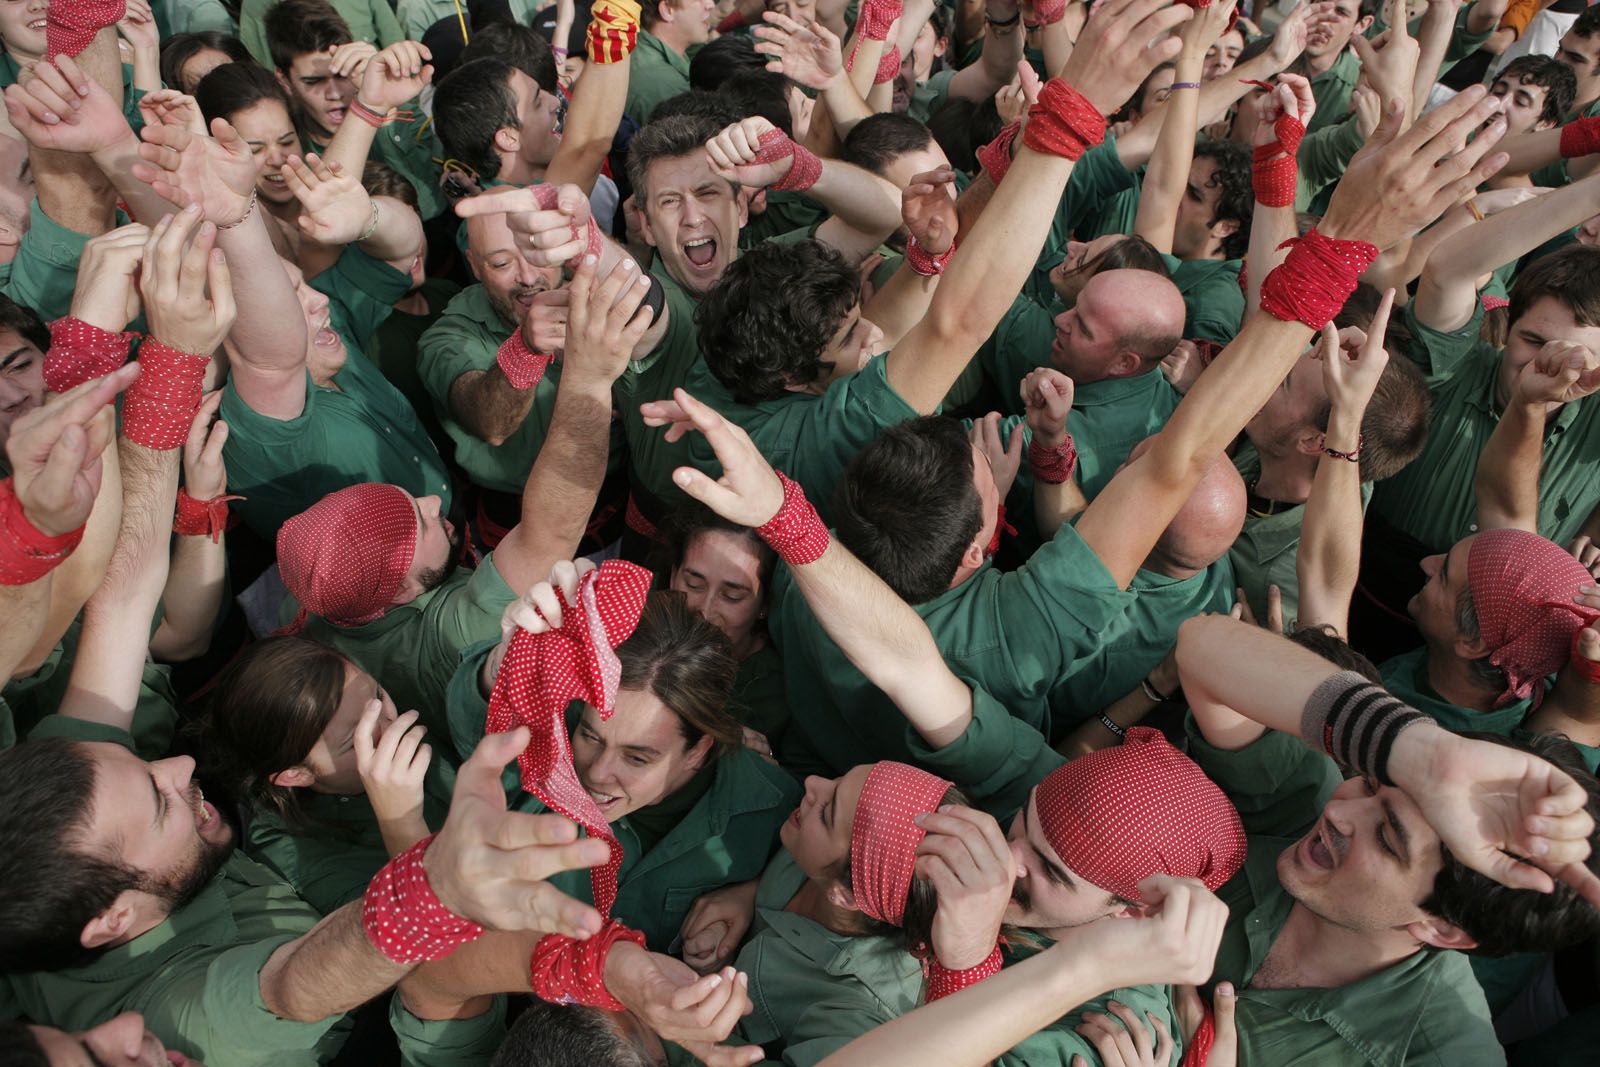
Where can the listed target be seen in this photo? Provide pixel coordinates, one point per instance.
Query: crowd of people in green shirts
(1057, 649)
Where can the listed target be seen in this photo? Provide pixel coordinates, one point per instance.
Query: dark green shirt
(651, 457)
(655, 73)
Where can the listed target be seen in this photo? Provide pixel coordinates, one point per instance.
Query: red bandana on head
(543, 673)
(1121, 814)
(1522, 587)
(884, 839)
(346, 556)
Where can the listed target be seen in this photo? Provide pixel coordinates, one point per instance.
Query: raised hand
(54, 451)
(1182, 366)
(1289, 39)
(1173, 943)
(1047, 398)
(549, 220)
(1126, 1040)
(715, 925)
(205, 475)
(1587, 552)
(1005, 457)
(748, 492)
(1561, 372)
(138, 27)
(1353, 359)
(1123, 41)
(217, 172)
(350, 60)
(106, 295)
(1209, 23)
(733, 155)
(334, 207)
(491, 865)
(1291, 96)
(544, 327)
(966, 857)
(807, 53)
(61, 108)
(392, 764)
(169, 107)
(605, 319)
(536, 611)
(1389, 60)
(680, 1005)
(181, 263)
(395, 75)
(928, 208)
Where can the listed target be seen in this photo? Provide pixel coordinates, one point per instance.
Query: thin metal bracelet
(372, 223)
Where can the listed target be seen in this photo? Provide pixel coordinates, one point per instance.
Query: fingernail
(588, 261)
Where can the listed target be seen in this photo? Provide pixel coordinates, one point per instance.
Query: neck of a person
(1158, 562)
(24, 60)
(1311, 952)
(514, 170)
(669, 34)
(1324, 63)
(1454, 679)
(1286, 476)
(811, 901)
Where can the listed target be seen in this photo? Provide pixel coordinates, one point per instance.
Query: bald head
(1207, 524)
(1124, 323)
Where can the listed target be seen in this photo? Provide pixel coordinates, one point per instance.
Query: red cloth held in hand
(876, 17)
(523, 367)
(1274, 172)
(924, 262)
(199, 518)
(888, 67)
(80, 352)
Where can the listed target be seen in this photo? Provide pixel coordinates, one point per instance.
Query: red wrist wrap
(613, 31)
(1233, 16)
(1052, 465)
(1063, 122)
(1312, 284)
(924, 262)
(26, 554)
(1581, 137)
(1493, 303)
(161, 403)
(1048, 12)
(202, 518)
(803, 172)
(523, 367)
(1199, 1047)
(1274, 171)
(796, 532)
(404, 919)
(567, 971)
(942, 983)
(995, 157)
(1586, 668)
(80, 352)
(71, 24)
(888, 67)
(876, 17)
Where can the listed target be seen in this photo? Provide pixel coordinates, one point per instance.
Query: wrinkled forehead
(681, 175)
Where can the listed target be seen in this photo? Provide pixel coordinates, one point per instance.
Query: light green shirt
(655, 73)
(369, 20)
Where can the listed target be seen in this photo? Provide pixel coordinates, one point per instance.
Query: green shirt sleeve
(448, 1042)
(1277, 783)
(45, 269)
(362, 291)
(461, 616)
(253, 33)
(1442, 354)
(995, 761)
(1323, 157)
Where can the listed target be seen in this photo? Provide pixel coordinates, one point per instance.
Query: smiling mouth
(602, 800)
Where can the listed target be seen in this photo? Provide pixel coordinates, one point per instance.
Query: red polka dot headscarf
(1522, 588)
(542, 673)
(1119, 815)
(346, 556)
(884, 839)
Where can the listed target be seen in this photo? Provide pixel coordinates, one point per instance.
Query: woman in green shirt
(724, 572)
(252, 101)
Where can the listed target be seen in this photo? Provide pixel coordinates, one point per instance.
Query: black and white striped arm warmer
(1356, 723)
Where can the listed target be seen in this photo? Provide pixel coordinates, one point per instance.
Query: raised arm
(389, 80)
(592, 120)
(928, 206)
(995, 256)
(1047, 398)
(1001, 49)
(336, 210)
(1507, 480)
(199, 572)
(809, 53)
(1273, 224)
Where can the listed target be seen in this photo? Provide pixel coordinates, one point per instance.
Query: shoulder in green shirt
(930, 96)
(1057, 1044)
(1406, 676)
(1211, 296)
(655, 73)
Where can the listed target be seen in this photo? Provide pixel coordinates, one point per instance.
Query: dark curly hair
(772, 316)
(1238, 200)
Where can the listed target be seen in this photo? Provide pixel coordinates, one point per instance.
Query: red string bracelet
(564, 970)
(27, 553)
(376, 120)
(160, 405)
(927, 263)
(796, 532)
(404, 919)
(202, 518)
(613, 31)
(995, 157)
(1580, 137)
(803, 172)
(943, 982)
(1063, 122)
(1318, 276)
(80, 352)
(1052, 465)
(1586, 668)
(523, 367)
(1274, 171)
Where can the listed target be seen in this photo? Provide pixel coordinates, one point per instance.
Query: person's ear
(294, 778)
(644, 225)
(1545, 124)
(972, 558)
(112, 924)
(1476, 648)
(1223, 229)
(841, 897)
(283, 81)
(700, 751)
(1441, 933)
(507, 139)
(1310, 442)
(1363, 25)
(1126, 364)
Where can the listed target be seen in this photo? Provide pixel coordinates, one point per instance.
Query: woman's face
(198, 66)
(636, 758)
(266, 128)
(720, 577)
(332, 760)
(818, 833)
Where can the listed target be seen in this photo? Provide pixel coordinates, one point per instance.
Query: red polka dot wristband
(1063, 123)
(160, 405)
(876, 17)
(796, 532)
(1052, 465)
(1274, 172)
(1318, 276)
(403, 918)
(1581, 137)
(888, 67)
(803, 172)
(926, 263)
(943, 982)
(26, 553)
(71, 24)
(1047, 13)
(566, 971)
(995, 157)
(202, 518)
(81, 352)
(523, 367)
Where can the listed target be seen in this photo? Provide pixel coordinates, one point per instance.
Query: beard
(434, 577)
(179, 886)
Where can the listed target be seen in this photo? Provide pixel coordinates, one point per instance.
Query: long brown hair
(688, 665)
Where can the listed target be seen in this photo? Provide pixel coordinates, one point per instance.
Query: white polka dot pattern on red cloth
(523, 367)
(402, 916)
(1522, 587)
(80, 353)
(942, 981)
(568, 971)
(346, 556)
(72, 24)
(1119, 815)
(796, 533)
(884, 839)
(160, 405)
(542, 673)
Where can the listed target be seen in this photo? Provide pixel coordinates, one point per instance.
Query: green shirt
(369, 20)
(467, 338)
(814, 990)
(1433, 499)
(1425, 1009)
(448, 1042)
(393, 350)
(1323, 157)
(655, 73)
(758, 696)
(1333, 89)
(1212, 300)
(413, 649)
(810, 438)
(45, 269)
(930, 96)
(413, 150)
(996, 761)
(725, 837)
(1406, 676)
(786, 213)
(1138, 639)
(360, 429)
(1017, 635)
(192, 16)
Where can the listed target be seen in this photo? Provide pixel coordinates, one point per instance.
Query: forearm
(1241, 668)
(1329, 555)
(901, 303)
(1056, 42)
(967, 25)
(887, 641)
(266, 302)
(1167, 178)
(400, 834)
(351, 144)
(1438, 24)
(1056, 504)
(25, 608)
(1530, 151)
(1270, 227)
(996, 65)
(1507, 479)
(398, 232)
(591, 125)
(858, 198)
(1127, 710)
(329, 971)
(192, 598)
(843, 106)
(146, 69)
(488, 406)
(116, 163)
